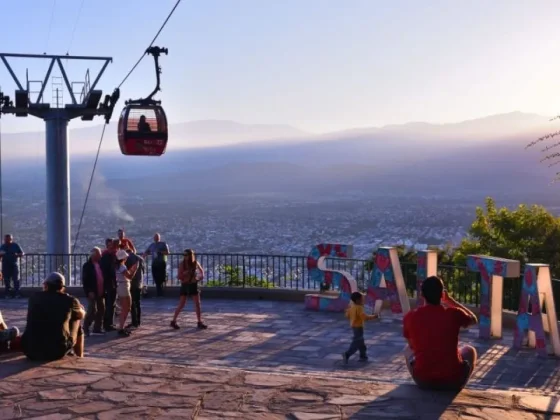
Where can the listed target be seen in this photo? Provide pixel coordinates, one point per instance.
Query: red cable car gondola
(143, 124)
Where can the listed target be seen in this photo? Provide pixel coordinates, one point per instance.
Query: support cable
(50, 25)
(105, 125)
(89, 187)
(75, 26)
(151, 43)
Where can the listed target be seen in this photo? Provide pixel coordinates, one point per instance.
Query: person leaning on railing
(159, 251)
(10, 254)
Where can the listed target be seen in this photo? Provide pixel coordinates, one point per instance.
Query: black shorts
(458, 384)
(189, 289)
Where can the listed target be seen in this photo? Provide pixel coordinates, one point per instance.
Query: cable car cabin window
(143, 131)
(143, 120)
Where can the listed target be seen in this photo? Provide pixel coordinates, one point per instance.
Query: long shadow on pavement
(406, 402)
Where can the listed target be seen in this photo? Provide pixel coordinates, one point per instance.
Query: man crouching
(53, 323)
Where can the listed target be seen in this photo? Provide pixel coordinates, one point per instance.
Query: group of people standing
(117, 274)
(54, 318)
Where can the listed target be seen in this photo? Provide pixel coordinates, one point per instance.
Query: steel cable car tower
(56, 117)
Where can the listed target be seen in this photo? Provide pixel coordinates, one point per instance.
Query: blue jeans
(11, 274)
(358, 343)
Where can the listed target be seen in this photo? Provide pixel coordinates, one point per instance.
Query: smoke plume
(105, 199)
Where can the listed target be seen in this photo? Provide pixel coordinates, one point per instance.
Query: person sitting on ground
(357, 316)
(7, 335)
(432, 356)
(53, 323)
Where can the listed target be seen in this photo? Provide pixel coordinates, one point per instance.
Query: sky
(319, 65)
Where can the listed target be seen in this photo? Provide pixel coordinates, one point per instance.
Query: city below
(255, 224)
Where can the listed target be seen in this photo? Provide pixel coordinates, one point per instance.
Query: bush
(231, 276)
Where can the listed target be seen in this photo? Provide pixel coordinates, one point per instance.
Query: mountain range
(475, 158)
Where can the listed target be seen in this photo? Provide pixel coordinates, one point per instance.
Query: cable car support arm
(155, 52)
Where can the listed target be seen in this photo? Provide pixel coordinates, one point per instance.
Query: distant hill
(195, 134)
(471, 158)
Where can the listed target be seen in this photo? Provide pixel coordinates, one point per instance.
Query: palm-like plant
(550, 156)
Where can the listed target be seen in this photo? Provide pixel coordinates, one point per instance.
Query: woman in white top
(124, 276)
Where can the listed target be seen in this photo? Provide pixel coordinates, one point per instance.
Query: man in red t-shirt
(433, 357)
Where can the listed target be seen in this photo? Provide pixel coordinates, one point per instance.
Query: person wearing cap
(94, 289)
(124, 277)
(433, 357)
(7, 335)
(53, 323)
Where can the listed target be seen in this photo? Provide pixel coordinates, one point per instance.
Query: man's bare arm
(452, 302)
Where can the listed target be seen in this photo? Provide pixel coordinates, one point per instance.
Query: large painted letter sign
(387, 282)
(537, 289)
(426, 267)
(341, 280)
(492, 272)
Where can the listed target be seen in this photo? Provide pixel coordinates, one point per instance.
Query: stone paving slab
(104, 389)
(265, 336)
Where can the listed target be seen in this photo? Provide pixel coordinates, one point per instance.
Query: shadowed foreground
(94, 388)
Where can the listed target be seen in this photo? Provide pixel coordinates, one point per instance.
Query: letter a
(537, 290)
(387, 282)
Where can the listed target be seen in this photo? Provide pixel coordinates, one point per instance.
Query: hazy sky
(319, 65)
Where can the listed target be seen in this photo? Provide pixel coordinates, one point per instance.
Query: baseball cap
(55, 279)
(121, 255)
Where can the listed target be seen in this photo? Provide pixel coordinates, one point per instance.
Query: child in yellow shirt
(357, 316)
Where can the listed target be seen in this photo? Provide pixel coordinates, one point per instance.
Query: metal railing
(274, 271)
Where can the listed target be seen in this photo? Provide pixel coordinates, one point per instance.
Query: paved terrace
(270, 359)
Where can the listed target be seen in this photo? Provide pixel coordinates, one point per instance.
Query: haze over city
(295, 122)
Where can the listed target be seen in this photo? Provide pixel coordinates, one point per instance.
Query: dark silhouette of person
(143, 125)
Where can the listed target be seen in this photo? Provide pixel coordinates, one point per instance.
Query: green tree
(526, 233)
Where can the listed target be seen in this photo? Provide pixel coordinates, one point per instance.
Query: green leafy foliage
(526, 233)
(233, 276)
